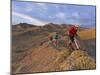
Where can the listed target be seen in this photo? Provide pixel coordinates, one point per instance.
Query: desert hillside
(32, 52)
(88, 34)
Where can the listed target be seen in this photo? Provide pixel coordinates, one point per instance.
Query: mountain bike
(74, 45)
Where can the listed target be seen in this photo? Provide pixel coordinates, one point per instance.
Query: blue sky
(43, 13)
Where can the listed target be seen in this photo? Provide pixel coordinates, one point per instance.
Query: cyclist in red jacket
(72, 33)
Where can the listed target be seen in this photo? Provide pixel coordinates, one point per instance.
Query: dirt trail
(38, 59)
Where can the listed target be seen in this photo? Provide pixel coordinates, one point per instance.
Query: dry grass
(78, 53)
(78, 60)
(85, 62)
(87, 34)
(62, 56)
(67, 60)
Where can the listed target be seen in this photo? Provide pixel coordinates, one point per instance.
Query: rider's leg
(71, 40)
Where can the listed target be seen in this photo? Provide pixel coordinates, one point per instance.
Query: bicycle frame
(76, 43)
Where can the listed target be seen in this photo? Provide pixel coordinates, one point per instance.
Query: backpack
(72, 31)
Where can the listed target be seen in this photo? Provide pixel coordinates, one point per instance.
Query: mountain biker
(72, 32)
(55, 39)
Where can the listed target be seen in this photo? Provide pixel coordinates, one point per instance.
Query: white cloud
(32, 19)
(75, 14)
(51, 17)
(76, 17)
(61, 15)
(28, 8)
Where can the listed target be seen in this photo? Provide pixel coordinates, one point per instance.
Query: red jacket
(72, 31)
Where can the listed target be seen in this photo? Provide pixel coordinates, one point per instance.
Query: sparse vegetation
(31, 51)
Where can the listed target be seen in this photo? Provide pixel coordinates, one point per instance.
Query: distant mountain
(22, 26)
(25, 25)
(47, 27)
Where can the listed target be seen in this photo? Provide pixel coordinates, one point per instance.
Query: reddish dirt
(39, 59)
